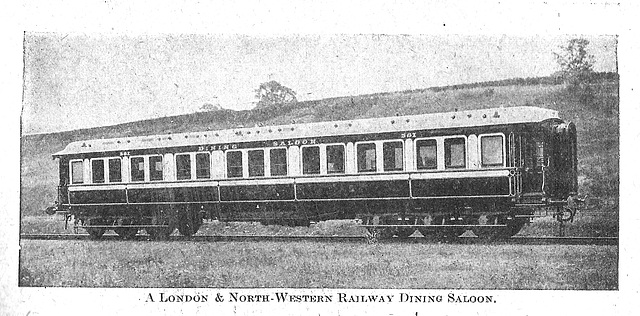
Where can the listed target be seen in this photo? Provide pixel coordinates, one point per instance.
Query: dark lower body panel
(302, 202)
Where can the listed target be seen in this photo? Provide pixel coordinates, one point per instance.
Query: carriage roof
(483, 117)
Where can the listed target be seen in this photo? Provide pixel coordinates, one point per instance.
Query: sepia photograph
(392, 173)
(359, 161)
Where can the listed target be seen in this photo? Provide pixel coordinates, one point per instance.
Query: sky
(87, 80)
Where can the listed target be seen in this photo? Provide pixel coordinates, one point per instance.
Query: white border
(435, 17)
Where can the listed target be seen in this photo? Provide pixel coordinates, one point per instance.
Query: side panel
(276, 192)
(461, 187)
(97, 196)
(181, 194)
(353, 190)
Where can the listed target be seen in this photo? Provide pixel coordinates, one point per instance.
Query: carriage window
(491, 150)
(115, 170)
(335, 159)
(137, 169)
(311, 160)
(155, 168)
(427, 153)
(183, 167)
(256, 163)
(77, 172)
(279, 162)
(366, 157)
(392, 156)
(97, 171)
(454, 153)
(234, 164)
(203, 166)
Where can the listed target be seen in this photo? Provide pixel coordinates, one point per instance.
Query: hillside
(594, 110)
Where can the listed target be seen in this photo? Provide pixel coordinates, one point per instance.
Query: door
(533, 164)
(563, 161)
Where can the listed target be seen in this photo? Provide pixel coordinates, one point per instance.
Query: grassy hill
(594, 109)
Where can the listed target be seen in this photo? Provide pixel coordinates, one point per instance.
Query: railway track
(522, 240)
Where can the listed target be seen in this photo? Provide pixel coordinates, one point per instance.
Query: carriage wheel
(190, 222)
(404, 232)
(446, 233)
(449, 233)
(489, 233)
(126, 232)
(161, 217)
(94, 232)
(513, 227)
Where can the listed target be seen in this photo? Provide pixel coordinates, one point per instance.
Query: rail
(522, 240)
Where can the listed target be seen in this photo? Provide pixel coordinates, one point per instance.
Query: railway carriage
(486, 170)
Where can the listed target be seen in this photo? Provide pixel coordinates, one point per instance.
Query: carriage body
(439, 173)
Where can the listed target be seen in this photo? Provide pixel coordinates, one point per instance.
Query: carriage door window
(155, 168)
(137, 169)
(234, 164)
(427, 153)
(335, 159)
(77, 172)
(454, 153)
(97, 171)
(311, 160)
(278, 162)
(115, 170)
(183, 167)
(256, 163)
(392, 155)
(203, 166)
(491, 150)
(366, 157)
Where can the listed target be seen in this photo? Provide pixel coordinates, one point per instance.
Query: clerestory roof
(482, 117)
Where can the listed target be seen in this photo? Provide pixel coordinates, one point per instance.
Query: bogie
(126, 232)
(189, 221)
(94, 232)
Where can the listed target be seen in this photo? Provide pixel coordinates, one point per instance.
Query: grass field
(316, 265)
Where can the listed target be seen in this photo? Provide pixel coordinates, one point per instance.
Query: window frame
(302, 148)
(108, 171)
(148, 166)
(404, 163)
(71, 161)
(375, 150)
(417, 152)
(145, 161)
(264, 169)
(196, 164)
(226, 163)
(504, 152)
(286, 162)
(344, 158)
(466, 151)
(175, 165)
(104, 170)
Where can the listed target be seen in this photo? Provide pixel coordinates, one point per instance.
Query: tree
(207, 107)
(273, 93)
(576, 65)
